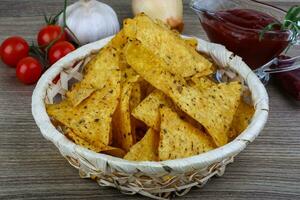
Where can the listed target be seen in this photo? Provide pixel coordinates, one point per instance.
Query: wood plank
(32, 168)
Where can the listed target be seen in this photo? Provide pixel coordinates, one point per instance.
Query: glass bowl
(259, 53)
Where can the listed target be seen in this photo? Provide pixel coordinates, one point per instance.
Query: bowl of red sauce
(237, 24)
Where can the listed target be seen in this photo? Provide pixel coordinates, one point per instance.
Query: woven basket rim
(259, 97)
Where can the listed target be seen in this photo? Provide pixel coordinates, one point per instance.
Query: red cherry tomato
(29, 70)
(13, 49)
(49, 33)
(59, 50)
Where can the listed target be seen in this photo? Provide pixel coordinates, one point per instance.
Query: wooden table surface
(32, 168)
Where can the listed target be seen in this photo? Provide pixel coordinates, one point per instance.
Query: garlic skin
(169, 11)
(90, 20)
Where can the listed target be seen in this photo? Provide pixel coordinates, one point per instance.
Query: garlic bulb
(90, 20)
(169, 11)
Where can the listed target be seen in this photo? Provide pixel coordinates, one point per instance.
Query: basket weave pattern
(158, 180)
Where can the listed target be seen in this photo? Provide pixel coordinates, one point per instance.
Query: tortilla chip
(129, 75)
(241, 119)
(123, 134)
(135, 99)
(136, 95)
(101, 69)
(203, 83)
(190, 41)
(213, 108)
(187, 118)
(148, 110)
(180, 57)
(79, 92)
(119, 41)
(204, 73)
(96, 147)
(179, 139)
(146, 149)
(123, 125)
(90, 120)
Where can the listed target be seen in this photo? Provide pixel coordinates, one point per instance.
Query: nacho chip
(136, 96)
(123, 134)
(185, 117)
(119, 41)
(213, 108)
(79, 92)
(101, 69)
(190, 41)
(129, 75)
(90, 120)
(204, 73)
(241, 119)
(135, 99)
(179, 139)
(180, 57)
(203, 83)
(129, 28)
(123, 125)
(96, 147)
(148, 110)
(146, 149)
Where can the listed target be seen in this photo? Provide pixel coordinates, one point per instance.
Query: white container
(159, 180)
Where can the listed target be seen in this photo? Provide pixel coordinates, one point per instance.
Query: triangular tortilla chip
(148, 110)
(146, 149)
(103, 68)
(123, 125)
(181, 58)
(123, 132)
(241, 119)
(179, 139)
(214, 108)
(97, 146)
(79, 92)
(90, 120)
(119, 41)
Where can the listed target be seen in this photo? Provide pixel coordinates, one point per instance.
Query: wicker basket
(158, 180)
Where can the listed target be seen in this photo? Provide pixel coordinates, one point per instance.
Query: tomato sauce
(239, 30)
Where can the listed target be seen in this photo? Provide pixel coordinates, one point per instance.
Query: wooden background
(32, 168)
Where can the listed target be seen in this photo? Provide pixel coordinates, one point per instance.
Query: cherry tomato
(29, 70)
(49, 33)
(59, 50)
(13, 49)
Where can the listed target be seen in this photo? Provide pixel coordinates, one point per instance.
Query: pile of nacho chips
(148, 95)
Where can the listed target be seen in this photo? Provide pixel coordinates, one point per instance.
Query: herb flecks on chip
(214, 108)
(148, 96)
(179, 139)
(180, 57)
(146, 149)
